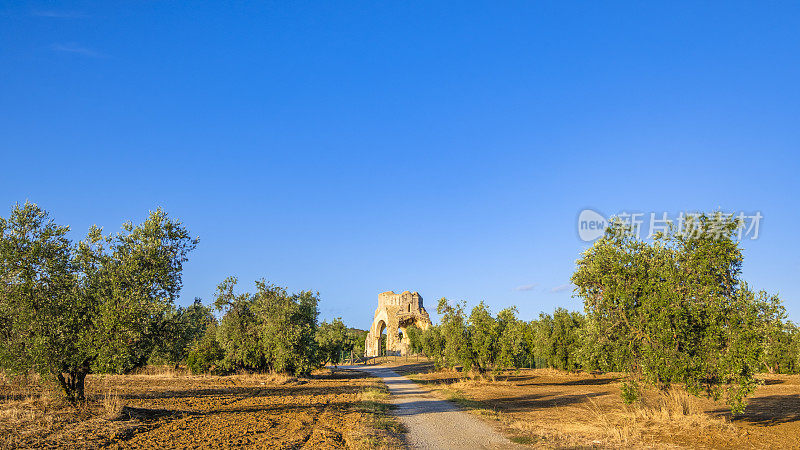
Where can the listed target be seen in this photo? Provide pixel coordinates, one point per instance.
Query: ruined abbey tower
(395, 312)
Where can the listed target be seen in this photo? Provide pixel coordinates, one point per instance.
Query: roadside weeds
(380, 430)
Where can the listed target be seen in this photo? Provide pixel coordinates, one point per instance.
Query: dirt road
(433, 423)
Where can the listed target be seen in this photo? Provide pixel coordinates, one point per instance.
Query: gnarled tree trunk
(73, 384)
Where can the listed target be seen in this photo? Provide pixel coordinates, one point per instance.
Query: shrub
(630, 392)
(206, 355)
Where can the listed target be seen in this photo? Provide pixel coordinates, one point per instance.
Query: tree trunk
(73, 385)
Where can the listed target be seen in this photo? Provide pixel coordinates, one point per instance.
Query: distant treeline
(270, 331)
(561, 340)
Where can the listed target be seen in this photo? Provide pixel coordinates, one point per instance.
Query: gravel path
(433, 423)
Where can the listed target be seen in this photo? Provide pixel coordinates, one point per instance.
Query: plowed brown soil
(169, 411)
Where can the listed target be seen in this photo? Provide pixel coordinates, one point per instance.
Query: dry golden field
(168, 410)
(549, 408)
(347, 409)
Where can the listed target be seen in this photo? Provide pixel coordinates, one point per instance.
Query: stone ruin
(395, 312)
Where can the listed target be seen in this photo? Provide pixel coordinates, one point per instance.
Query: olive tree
(512, 347)
(455, 335)
(180, 329)
(206, 355)
(433, 343)
(676, 310)
(483, 332)
(358, 339)
(68, 309)
(333, 338)
(270, 330)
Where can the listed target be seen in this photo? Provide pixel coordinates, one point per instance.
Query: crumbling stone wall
(395, 312)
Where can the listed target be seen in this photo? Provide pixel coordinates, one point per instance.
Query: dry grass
(676, 407)
(521, 429)
(657, 413)
(112, 405)
(381, 430)
(162, 371)
(26, 422)
(276, 379)
(550, 408)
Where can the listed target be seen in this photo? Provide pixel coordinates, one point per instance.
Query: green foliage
(358, 339)
(630, 391)
(133, 277)
(433, 343)
(416, 345)
(793, 355)
(483, 332)
(457, 342)
(43, 322)
(485, 343)
(781, 347)
(594, 350)
(206, 355)
(332, 340)
(512, 346)
(180, 329)
(69, 309)
(480, 342)
(557, 339)
(270, 330)
(675, 311)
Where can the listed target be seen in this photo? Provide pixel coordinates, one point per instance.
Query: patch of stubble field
(327, 410)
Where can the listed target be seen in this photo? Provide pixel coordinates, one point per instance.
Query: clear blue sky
(359, 147)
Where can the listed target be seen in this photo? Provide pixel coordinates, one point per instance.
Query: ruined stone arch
(395, 313)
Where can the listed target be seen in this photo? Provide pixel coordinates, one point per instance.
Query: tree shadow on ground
(530, 402)
(444, 379)
(146, 415)
(581, 382)
(767, 410)
(238, 391)
(523, 377)
(339, 373)
(413, 368)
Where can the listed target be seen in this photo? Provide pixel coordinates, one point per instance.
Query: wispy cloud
(71, 47)
(561, 288)
(53, 14)
(525, 287)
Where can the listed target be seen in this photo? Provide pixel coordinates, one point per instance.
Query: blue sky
(447, 148)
